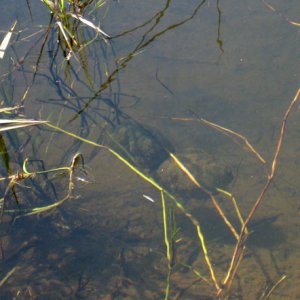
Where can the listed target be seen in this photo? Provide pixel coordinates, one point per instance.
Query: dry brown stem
(227, 132)
(239, 245)
(273, 9)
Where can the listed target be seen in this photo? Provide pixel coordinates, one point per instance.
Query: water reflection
(219, 39)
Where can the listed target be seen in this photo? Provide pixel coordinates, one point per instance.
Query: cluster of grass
(66, 15)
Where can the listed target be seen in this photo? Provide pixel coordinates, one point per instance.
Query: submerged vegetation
(83, 69)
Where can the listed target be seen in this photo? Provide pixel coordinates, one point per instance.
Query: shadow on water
(107, 107)
(266, 234)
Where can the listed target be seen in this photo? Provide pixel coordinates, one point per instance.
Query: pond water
(143, 93)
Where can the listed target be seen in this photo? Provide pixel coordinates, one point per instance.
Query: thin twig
(201, 187)
(235, 257)
(227, 132)
(274, 287)
(273, 9)
(7, 276)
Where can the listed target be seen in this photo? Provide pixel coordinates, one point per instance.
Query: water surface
(233, 63)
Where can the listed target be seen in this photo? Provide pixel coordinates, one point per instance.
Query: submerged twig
(237, 210)
(227, 132)
(239, 245)
(9, 109)
(201, 187)
(15, 178)
(273, 9)
(167, 243)
(11, 272)
(272, 289)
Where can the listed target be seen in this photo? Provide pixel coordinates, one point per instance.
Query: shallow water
(233, 63)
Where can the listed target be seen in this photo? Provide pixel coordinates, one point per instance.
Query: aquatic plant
(222, 287)
(65, 13)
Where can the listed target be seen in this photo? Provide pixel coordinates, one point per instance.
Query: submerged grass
(65, 15)
(26, 174)
(222, 289)
(167, 243)
(7, 276)
(150, 180)
(228, 132)
(10, 124)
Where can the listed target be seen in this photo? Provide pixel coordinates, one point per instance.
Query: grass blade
(89, 23)
(9, 124)
(6, 40)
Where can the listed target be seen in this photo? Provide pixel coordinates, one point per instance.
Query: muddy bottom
(110, 246)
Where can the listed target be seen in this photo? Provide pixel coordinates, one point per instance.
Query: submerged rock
(148, 150)
(209, 171)
(138, 144)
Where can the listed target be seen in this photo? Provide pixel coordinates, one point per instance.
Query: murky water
(168, 64)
